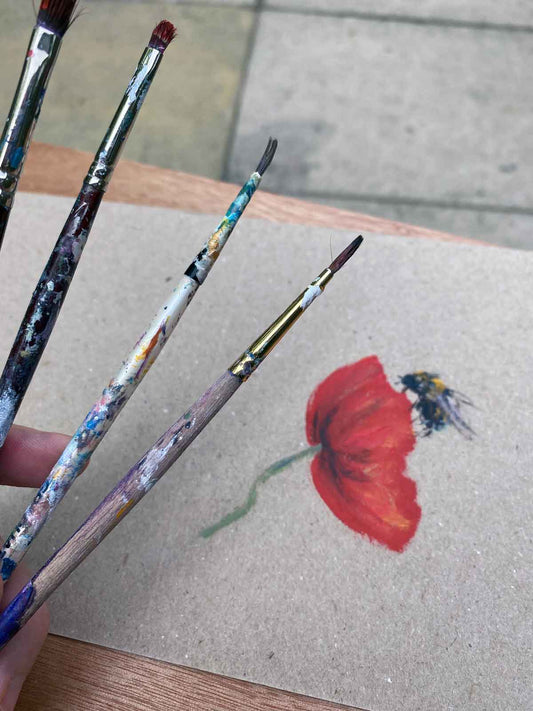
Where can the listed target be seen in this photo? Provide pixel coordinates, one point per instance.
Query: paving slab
(225, 3)
(389, 109)
(503, 228)
(187, 116)
(512, 12)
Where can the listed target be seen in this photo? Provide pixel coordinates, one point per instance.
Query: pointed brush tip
(163, 34)
(56, 15)
(267, 156)
(345, 255)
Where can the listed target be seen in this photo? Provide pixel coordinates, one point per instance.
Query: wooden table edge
(56, 170)
(78, 676)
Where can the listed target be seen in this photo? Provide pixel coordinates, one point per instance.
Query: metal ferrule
(257, 352)
(40, 58)
(110, 149)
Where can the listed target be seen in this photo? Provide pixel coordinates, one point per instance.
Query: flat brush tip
(56, 15)
(345, 255)
(268, 155)
(163, 34)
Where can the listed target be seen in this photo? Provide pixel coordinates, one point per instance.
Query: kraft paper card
(356, 524)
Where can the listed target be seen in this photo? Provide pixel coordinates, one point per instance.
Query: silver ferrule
(40, 59)
(110, 149)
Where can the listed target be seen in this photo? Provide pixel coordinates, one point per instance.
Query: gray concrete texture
(415, 111)
(186, 120)
(399, 116)
(198, 3)
(512, 12)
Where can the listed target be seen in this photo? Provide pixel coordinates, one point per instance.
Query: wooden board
(75, 676)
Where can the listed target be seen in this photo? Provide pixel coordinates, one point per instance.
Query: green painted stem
(242, 510)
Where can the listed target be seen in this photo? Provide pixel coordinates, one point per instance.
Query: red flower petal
(366, 432)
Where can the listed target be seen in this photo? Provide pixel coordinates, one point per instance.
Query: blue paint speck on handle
(8, 567)
(17, 156)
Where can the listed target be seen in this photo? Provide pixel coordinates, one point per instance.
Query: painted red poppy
(360, 430)
(365, 430)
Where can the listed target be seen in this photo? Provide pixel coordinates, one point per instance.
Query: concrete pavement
(417, 114)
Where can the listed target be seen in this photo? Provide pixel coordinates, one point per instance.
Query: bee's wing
(450, 405)
(462, 398)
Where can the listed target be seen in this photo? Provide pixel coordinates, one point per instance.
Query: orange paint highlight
(122, 511)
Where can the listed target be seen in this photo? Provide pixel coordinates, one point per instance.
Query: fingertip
(28, 455)
(17, 658)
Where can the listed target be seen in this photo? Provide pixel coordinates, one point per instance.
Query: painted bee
(436, 404)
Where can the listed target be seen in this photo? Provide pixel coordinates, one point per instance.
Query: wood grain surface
(75, 676)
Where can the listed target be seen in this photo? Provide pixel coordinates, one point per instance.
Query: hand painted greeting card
(355, 525)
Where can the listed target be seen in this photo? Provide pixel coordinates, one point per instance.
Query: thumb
(18, 656)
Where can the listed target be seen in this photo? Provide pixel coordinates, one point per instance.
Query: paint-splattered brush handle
(53, 285)
(157, 460)
(44, 306)
(40, 59)
(78, 452)
(116, 505)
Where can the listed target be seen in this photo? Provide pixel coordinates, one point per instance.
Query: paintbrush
(157, 460)
(53, 285)
(106, 409)
(53, 20)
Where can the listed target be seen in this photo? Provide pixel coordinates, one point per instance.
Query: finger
(28, 455)
(18, 656)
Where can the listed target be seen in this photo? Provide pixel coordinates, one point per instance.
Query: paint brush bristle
(268, 155)
(56, 15)
(345, 255)
(162, 35)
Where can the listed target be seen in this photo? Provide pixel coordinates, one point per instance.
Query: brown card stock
(306, 591)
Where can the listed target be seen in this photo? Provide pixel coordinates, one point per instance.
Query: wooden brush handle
(77, 454)
(128, 492)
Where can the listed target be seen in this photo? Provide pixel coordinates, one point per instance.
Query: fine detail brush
(156, 461)
(77, 454)
(51, 290)
(53, 20)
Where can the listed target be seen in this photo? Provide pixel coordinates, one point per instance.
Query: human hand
(25, 460)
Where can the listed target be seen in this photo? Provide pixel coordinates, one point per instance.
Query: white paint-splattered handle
(128, 492)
